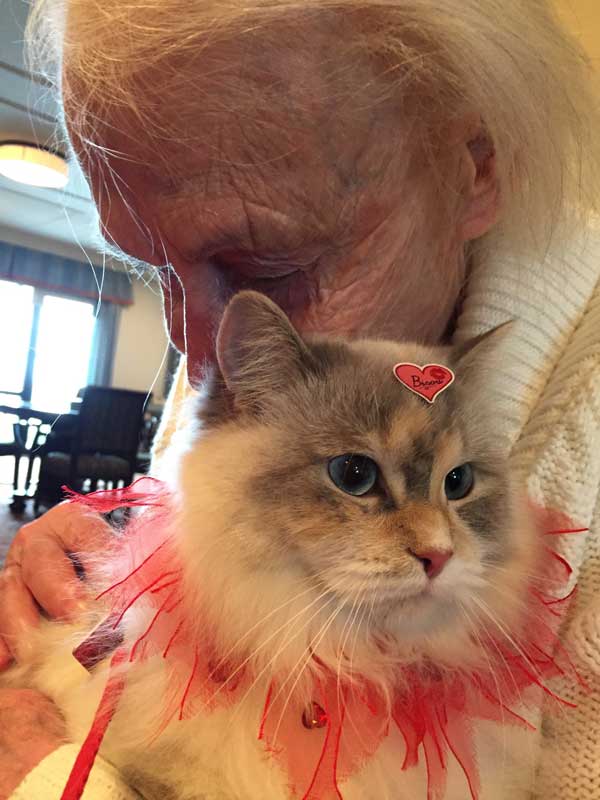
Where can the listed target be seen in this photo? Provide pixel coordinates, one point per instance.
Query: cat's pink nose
(433, 561)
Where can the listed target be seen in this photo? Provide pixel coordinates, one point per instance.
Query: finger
(50, 576)
(19, 614)
(75, 528)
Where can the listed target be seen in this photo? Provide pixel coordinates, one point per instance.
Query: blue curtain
(104, 345)
(63, 275)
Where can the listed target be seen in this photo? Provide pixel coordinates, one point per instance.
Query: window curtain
(104, 344)
(63, 275)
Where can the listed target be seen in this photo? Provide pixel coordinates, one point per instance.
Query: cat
(329, 522)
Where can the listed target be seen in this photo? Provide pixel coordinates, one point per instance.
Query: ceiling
(52, 219)
(62, 220)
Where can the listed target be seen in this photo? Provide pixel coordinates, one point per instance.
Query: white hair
(509, 61)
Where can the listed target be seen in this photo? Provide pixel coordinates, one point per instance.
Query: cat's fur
(261, 523)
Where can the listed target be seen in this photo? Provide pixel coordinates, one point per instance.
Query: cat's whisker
(347, 629)
(287, 639)
(355, 642)
(357, 626)
(355, 728)
(509, 671)
(268, 667)
(224, 659)
(534, 577)
(281, 628)
(474, 630)
(502, 657)
(506, 634)
(345, 633)
(314, 643)
(520, 604)
(534, 617)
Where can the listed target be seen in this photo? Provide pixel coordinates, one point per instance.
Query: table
(29, 415)
(26, 411)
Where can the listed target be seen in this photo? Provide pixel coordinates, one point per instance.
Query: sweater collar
(546, 298)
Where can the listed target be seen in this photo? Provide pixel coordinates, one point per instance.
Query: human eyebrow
(269, 243)
(241, 228)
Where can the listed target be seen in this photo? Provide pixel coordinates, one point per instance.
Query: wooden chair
(27, 436)
(103, 446)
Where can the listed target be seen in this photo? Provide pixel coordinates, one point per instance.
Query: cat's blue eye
(459, 482)
(353, 474)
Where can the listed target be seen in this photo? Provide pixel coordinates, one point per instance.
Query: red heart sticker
(427, 381)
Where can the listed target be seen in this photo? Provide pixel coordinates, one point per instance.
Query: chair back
(110, 421)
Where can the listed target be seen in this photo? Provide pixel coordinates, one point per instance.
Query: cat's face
(396, 509)
(382, 498)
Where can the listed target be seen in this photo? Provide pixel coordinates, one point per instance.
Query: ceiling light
(33, 165)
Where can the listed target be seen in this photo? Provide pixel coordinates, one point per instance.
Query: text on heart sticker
(427, 381)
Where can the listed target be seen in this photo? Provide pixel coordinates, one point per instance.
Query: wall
(583, 19)
(46, 244)
(141, 343)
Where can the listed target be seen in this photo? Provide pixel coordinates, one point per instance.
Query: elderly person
(410, 168)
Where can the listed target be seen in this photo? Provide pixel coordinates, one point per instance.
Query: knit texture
(48, 780)
(550, 388)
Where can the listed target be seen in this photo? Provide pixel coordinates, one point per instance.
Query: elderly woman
(409, 168)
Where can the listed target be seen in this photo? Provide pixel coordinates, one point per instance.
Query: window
(62, 356)
(16, 315)
(46, 345)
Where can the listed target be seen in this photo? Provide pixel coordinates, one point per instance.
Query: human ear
(479, 180)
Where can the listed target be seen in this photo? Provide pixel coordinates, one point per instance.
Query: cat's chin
(416, 605)
(408, 616)
(423, 615)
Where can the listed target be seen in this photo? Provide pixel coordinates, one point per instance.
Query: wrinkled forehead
(276, 129)
(274, 83)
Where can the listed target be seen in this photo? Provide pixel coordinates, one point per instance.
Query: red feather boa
(434, 711)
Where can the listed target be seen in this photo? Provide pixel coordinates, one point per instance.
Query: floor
(9, 523)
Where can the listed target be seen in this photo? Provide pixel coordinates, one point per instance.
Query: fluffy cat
(328, 521)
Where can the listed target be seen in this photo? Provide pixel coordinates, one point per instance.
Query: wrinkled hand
(39, 577)
(31, 727)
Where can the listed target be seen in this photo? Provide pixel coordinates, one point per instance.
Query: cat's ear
(258, 350)
(481, 380)
(482, 352)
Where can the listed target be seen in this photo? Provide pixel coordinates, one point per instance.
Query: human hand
(31, 727)
(39, 577)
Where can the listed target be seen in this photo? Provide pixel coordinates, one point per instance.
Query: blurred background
(82, 383)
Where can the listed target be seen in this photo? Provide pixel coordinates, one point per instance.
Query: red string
(498, 702)
(158, 589)
(263, 719)
(306, 795)
(474, 791)
(437, 723)
(141, 638)
(105, 712)
(336, 752)
(172, 639)
(189, 686)
(561, 560)
(538, 682)
(137, 597)
(133, 572)
(569, 530)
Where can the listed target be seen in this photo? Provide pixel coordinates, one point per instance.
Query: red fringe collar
(319, 747)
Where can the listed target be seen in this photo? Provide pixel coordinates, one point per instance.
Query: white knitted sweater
(551, 399)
